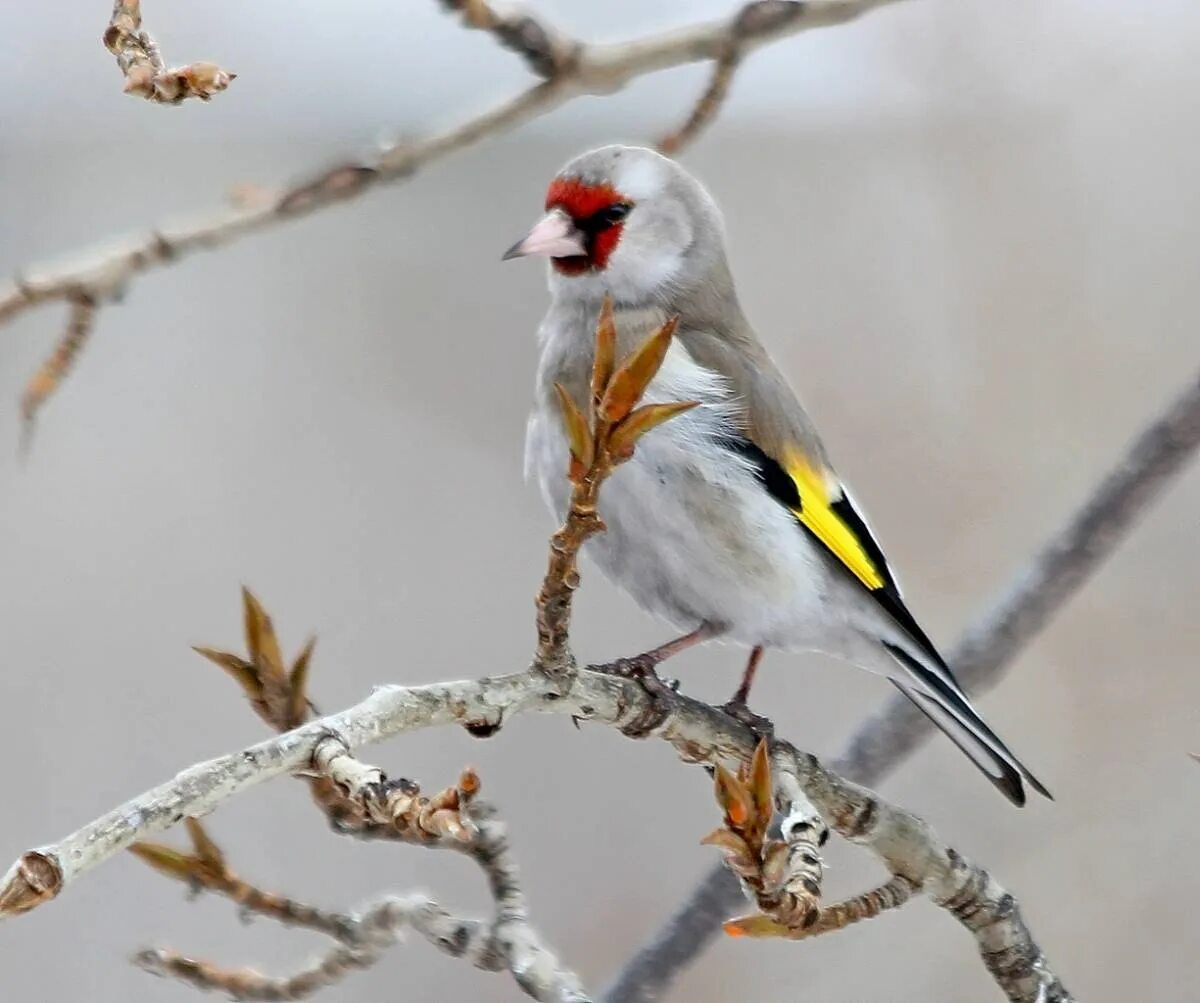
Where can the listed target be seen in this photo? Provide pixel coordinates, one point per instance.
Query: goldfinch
(729, 521)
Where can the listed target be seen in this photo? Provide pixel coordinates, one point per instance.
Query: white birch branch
(698, 732)
(505, 942)
(380, 926)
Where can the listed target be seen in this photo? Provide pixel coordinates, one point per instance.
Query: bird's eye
(615, 213)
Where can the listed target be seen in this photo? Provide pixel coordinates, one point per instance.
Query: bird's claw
(762, 727)
(641, 669)
(636, 667)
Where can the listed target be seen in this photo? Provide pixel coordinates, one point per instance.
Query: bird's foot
(762, 727)
(641, 669)
(642, 666)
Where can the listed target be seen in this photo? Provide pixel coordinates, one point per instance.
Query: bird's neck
(568, 338)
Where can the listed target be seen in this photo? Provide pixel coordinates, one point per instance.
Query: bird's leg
(645, 663)
(742, 695)
(737, 707)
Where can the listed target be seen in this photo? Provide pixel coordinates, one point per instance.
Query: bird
(729, 521)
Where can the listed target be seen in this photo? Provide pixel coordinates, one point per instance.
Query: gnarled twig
(505, 942)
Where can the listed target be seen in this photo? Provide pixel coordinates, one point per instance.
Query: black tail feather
(958, 720)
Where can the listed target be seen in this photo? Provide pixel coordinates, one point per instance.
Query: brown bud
(755, 926)
(606, 350)
(760, 781)
(578, 434)
(626, 435)
(733, 797)
(635, 373)
(241, 670)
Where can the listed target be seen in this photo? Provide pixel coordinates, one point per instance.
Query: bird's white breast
(692, 534)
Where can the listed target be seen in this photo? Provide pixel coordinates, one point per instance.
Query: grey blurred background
(967, 230)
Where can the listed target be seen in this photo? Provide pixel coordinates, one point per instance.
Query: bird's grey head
(629, 221)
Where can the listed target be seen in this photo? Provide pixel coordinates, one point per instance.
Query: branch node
(782, 875)
(547, 54)
(483, 728)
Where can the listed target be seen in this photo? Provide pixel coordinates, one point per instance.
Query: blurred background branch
(568, 68)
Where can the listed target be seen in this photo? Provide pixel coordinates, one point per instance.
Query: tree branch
(570, 69)
(81, 319)
(380, 925)
(783, 874)
(985, 650)
(506, 942)
(747, 24)
(146, 74)
(546, 53)
(698, 732)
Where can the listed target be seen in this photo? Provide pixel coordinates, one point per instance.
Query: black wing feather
(783, 489)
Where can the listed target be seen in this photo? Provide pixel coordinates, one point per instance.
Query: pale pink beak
(554, 236)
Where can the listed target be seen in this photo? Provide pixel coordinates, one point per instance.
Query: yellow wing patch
(817, 515)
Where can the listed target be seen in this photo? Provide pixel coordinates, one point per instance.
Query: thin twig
(146, 74)
(545, 51)
(506, 942)
(250, 984)
(102, 273)
(746, 24)
(707, 107)
(358, 799)
(743, 34)
(892, 894)
(602, 435)
(205, 869)
(45, 381)
(980, 659)
(377, 928)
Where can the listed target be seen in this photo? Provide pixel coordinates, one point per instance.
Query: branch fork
(782, 875)
(399, 805)
(359, 800)
(361, 938)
